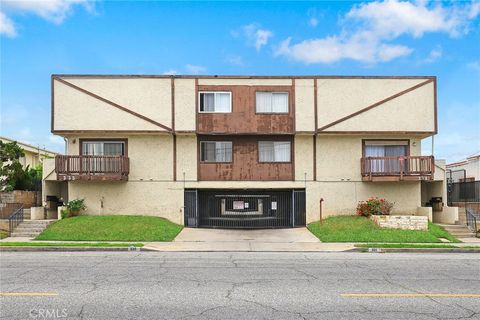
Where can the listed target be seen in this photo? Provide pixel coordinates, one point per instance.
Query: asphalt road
(152, 285)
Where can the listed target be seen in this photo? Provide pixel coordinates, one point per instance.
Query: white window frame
(210, 141)
(273, 112)
(275, 161)
(124, 148)
(214, 92)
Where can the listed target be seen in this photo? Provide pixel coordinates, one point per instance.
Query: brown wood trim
(109, 131)
(113, 104)
(314, 158)
(293, 113)
(124, 140)
(209, 133)
(174, 137)
(196, 105)
(365, 140)
(435, 104)
(198, 158)
(172, 94)
(52, 105)
(315, 101)
(421, 133)
(123, 76)
(376, 104)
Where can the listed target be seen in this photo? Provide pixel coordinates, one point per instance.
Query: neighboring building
(465, 170)
(33, 155)
(242, 151)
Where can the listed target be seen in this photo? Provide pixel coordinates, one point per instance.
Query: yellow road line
(471, 295)
(28, 294)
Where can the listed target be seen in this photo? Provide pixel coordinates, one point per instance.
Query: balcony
(98, 168)
(397, 168)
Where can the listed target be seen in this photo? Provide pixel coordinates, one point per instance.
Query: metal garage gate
(245, 209)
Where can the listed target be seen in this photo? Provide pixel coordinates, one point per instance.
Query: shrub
(374, 206)
(74, 207)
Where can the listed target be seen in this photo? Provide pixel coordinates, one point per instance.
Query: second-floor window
(215, 102)
(103, 148)
(386, 148)
(274, 151)
(271, 102)
(216, 151)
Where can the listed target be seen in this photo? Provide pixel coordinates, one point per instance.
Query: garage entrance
(245, 209)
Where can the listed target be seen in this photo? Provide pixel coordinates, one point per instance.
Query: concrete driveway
(290, 235)
(264, 240)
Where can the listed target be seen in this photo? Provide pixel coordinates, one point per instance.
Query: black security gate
(245, 209)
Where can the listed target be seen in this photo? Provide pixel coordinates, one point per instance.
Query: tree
(10, 167)
(12, 174)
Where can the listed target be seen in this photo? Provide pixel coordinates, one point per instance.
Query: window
(216, 151)
(215, 101)
(272, 102)
(385, 148)
(274, 151)
(387, 155)
(103, 148)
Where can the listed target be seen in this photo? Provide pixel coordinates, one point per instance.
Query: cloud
(195, 69)
(170, 72)
(474, 65)
(312, 17)
(55, 11)
(369, 29)
(434, 55)
(6, 26)
(235, 60)
(255, 35)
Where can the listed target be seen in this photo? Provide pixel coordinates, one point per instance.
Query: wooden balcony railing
(81, 167)
(397, 168)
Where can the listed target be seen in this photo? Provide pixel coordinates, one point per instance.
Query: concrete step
(30, 228)
(25, 234)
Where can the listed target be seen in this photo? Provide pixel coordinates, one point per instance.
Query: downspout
(66, 145)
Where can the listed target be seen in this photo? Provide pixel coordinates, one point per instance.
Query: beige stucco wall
(186, 157)
(150, 189)
(151, 156)
(185, 109)
(338, 156)
(338, 98)
(303, 157)
(75, 110)
(304, 105)
(164, 199)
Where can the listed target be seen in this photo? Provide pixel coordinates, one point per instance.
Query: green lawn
(69, 244)
(111, 228)
(361, 229)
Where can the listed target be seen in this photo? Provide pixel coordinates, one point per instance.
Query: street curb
(71, 249)
(416, 250)
(138, 249)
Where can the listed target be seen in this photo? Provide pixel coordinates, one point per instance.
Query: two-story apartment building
(241, 151)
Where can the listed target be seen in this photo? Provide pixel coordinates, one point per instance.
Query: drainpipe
(321, 218)
(66, 145)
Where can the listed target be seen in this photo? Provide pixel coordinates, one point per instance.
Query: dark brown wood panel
(245, 165)
(243, 118)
